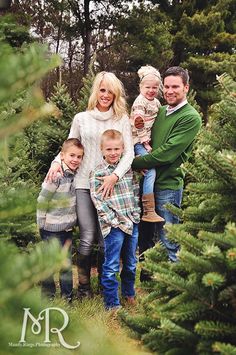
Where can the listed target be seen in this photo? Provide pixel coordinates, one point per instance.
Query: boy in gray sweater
(56, 212)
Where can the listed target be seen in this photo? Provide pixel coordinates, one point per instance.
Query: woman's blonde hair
(115, 86)
(146, 71)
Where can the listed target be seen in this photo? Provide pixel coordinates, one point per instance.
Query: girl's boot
(149, 214)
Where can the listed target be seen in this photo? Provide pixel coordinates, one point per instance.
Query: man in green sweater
(173, 133)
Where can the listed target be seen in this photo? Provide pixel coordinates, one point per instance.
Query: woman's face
(105, 98)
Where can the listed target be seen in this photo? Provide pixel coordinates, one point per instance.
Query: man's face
(174, 90)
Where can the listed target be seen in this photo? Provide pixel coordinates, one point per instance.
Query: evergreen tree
(204, 41)
(46, 137)
(191, 308)
(12, 32)
(20, 104)
(87, 85)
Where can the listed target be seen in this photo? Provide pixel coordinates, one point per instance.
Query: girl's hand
(53, 171)
(139, 122)
(143, 171)
(147, 147)
(108, 184)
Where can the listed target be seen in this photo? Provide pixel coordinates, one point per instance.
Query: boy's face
(72, 157)
(112, 150)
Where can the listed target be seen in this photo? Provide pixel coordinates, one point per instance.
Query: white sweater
(87, 127)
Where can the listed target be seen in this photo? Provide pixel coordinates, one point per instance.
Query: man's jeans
(119, 245)
(65, 276)
(163, 197)
(150, 174)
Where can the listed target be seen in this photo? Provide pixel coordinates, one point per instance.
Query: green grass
(99, 331)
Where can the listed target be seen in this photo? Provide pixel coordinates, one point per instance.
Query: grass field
(100, 332)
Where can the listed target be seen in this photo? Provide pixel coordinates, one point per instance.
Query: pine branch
(20, 70)
(139, 324)
(213, 330)
(210, 187)
(195, 227)
(175, 210)
(172, 333)
(213, 280)
(42, 262)
(26, 117)
(224, 349)
(194, 262)
(14, 203)
(224, 240)
(179, 235)
(231, 258)
(227, 84)
(188, 311)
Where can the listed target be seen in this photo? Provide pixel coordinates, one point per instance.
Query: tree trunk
(87, 36)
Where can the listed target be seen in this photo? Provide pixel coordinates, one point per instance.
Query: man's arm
(179, 140)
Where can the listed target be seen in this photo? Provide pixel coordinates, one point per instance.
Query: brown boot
(149, 214)
(130, 301)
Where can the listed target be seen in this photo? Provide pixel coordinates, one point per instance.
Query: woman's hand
(108, 184)
(52, 172)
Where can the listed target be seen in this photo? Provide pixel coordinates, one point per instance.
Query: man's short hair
(177, 71)
(71, 142)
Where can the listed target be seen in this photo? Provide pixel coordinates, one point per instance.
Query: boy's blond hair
(71, 142)
(111, 134)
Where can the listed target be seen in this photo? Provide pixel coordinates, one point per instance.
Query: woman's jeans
(175, 198)
(119, 245)
(89, 230)
(65, 276)
(150, 175)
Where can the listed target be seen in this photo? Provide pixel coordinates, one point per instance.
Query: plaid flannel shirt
(121, 209)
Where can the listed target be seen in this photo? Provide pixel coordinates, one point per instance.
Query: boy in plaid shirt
(119, 215)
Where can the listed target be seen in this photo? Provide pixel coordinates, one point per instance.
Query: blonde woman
(106, 110)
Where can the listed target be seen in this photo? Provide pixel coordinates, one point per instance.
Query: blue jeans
(150, 175)
(162, 197)
(65, 276)
(119, 245)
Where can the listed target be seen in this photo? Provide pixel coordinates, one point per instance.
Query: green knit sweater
(172, 141)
